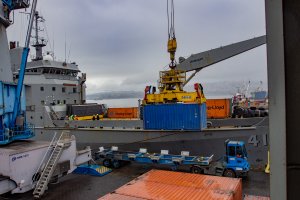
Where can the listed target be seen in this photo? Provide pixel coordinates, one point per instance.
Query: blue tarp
(94, 170)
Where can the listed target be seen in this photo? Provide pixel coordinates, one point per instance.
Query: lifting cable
(171, 19)
(172, 44)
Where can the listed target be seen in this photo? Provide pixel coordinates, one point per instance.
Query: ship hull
(206, 142)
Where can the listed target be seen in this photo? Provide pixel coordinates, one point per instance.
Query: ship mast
(39, 42)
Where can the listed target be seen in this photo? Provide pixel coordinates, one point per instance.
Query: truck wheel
(116, 164)
(229, 173)
(209, 124)
(107, 163)
(197, 170)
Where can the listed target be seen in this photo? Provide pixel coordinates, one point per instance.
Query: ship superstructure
(50, 84)
(27, 164)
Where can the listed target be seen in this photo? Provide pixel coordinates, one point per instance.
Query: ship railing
(16, 133)
(48, 152)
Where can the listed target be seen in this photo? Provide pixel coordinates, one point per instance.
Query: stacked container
(167, 185)
(175, 116)
(122, 113)
(218, 108)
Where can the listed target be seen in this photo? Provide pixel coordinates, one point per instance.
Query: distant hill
(115, 95)
(224, 89)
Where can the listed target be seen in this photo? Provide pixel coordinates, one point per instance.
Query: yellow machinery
(171, 82)
(267, 169)
(90, 117)
(171, 90)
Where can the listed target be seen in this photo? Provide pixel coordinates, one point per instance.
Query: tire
(197, 170)
(229, 173)
(106, 163)
(209, 124)
(116, 164)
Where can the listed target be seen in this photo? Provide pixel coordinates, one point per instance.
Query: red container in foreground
(167, 185)
(251, 197)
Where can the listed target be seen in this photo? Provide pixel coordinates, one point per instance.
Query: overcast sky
(121, 44)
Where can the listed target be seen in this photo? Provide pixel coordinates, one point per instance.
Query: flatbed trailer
(230, 166)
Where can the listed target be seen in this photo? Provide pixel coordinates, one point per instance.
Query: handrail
(57, 142)
(47, 173)
(42, 161)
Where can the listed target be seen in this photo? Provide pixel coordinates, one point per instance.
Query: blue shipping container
(175, 117)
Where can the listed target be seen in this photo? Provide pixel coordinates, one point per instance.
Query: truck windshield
(239, 151)
(245, 151)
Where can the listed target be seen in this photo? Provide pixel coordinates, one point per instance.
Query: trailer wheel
(229, 173)
(197, 170)
(107, 163)
(116, 164)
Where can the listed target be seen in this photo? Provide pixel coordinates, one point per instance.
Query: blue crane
(13, 124)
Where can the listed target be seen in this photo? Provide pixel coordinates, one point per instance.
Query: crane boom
(204, 59)
(25, 53)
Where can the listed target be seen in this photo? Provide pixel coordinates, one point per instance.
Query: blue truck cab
(236, 159)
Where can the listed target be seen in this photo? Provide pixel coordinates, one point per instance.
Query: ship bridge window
(46, 71)
(74, 90)
(65, 101)
(53, 88)
(58, 101)
(42, 88)
(63, 89)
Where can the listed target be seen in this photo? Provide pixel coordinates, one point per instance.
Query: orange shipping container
(122, 112)
(167, 185)
(251, 197)
(218, 108)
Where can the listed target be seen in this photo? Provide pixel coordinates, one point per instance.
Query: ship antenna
(69, 53)
(65, 47)
(53, 47)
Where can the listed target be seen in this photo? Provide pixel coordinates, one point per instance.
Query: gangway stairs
(53, 114)
(50, 166)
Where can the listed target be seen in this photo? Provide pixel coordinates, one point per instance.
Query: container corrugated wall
(167, 185)
(122, 113)
(251, 197)
(218, 108)
(175, 116)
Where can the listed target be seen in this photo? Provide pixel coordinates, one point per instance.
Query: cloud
(122, 43)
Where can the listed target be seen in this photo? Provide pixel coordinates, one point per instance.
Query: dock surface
(76, 186)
